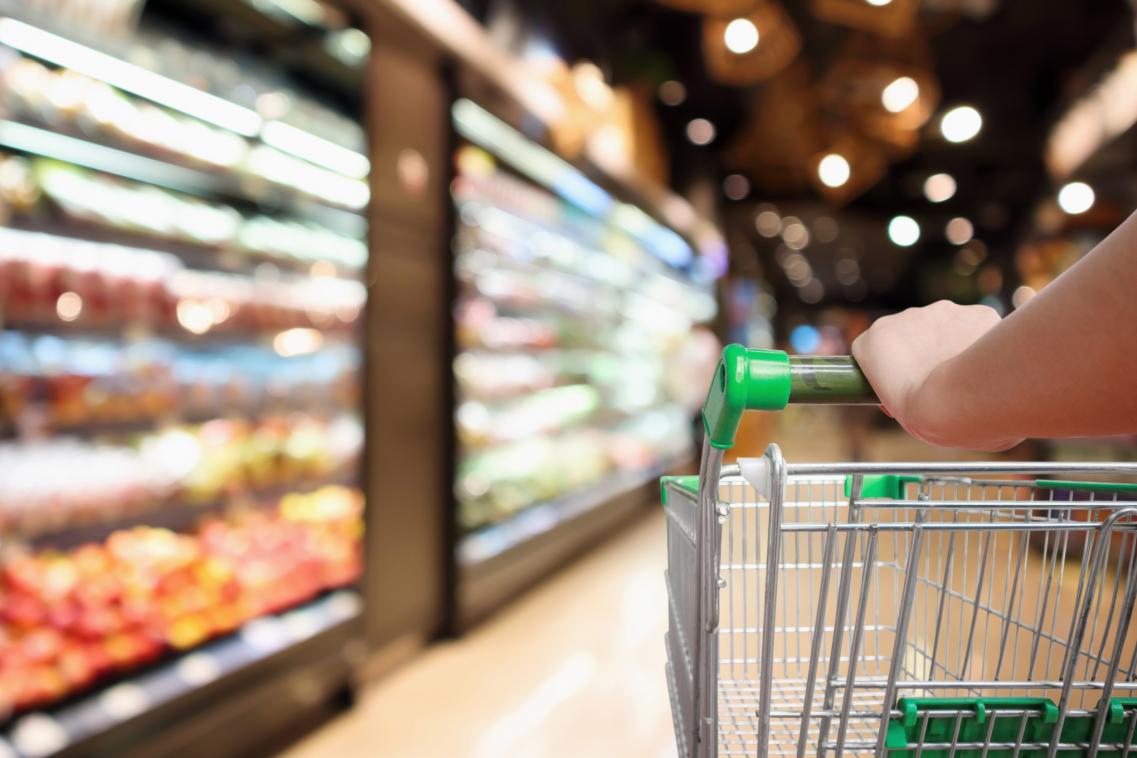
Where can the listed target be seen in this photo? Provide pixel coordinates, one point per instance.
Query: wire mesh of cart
(909, 610)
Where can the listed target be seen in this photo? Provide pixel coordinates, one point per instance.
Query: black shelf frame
(181, 702)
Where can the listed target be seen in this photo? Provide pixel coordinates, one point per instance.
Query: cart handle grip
(769, 380)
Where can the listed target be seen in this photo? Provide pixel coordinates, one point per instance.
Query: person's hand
(905, 358)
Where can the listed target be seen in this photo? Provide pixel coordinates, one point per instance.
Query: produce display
(180, 465)
(48, 279)
(72, 382)
(183, 241)
(565, 323)
(69, 619)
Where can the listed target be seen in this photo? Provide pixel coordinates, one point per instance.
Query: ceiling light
(700, 131)
(826, 229)
(833, 170)
(768, 223)
(961, 124)
(903, 231)
(939, 187)
(589, 82)
(1022, 295)
(740, 36)
(736, 186)
(795, 235)
(1076, 197)
(812, 291)
(848, 271)
(879, 3)
(959, 231)
(672, 92)
(901, 93)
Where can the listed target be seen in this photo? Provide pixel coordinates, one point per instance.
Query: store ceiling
(1018, 62)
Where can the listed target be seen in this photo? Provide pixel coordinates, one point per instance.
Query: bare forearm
(1063, 365)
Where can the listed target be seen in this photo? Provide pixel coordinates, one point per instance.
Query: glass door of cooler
(182, 190)
(572, 307)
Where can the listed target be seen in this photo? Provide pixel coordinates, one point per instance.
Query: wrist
(933, 408)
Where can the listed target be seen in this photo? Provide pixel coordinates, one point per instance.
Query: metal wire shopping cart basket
(910, 610)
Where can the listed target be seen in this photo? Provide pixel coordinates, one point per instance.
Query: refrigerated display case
(182, 264)
(571, 305)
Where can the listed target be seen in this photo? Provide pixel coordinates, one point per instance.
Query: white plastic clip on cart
(909, 610)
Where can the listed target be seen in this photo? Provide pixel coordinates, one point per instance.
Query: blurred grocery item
(75, 382)
(182, 249)
(101, 481)
(226, 457)
(49, 279)
(175, 467)
(496, 484)
(570, 303)
(160, 215)
(70, 619)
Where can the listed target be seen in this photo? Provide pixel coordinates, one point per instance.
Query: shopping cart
(909, 610)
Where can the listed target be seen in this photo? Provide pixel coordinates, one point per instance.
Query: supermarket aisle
(573, 669)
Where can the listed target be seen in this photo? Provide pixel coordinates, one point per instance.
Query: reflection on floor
(574, 669)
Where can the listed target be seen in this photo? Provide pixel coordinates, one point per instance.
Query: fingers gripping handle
(769, 380)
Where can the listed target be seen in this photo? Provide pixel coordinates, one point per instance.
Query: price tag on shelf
(198, 669)
(38, 734)
(301, 624)
(124, 701)
(265, 634)
(344, 604)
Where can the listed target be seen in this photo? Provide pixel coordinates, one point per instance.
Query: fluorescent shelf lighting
(128, 77)
(542, 166)
(315, 149)
(479, 126)
(30, 139)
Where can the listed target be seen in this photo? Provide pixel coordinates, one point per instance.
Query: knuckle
(983, 312)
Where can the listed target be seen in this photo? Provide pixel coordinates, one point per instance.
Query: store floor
(575, 668)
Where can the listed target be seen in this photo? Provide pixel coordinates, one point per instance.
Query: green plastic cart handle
(1119, 488)
(769, 380)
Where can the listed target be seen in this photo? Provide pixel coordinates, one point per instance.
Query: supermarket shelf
(123, 427)
(183, 698)
(491, 541)
(304, 46)
(195, 256)
(33, 140)
(140, 332)
(175, 513)
(496, 563)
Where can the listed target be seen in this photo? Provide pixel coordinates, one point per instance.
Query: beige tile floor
(574, 669)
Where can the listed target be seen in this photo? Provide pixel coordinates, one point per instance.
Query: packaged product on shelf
(564, 322)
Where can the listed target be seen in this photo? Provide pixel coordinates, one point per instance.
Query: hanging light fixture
(890, 18)
(751, 47)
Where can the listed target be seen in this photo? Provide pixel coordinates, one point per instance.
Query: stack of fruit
(68, 619)
(48, 279)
